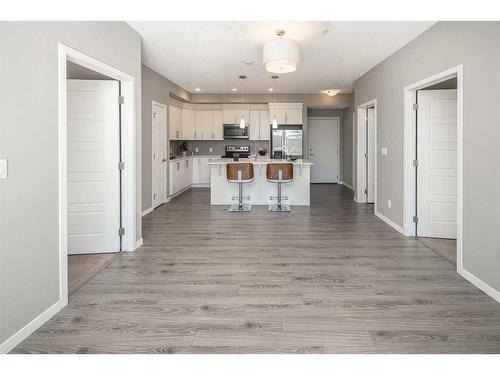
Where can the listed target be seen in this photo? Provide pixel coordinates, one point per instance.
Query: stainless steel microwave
(232, 131)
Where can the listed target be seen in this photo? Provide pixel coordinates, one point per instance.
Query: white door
(324, 149)
(204, 171)
(218, 127)
(437, 163)
(159, 155)
(370, 155)
(93, 175)
(175, 122)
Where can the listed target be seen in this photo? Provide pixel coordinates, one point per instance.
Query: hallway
(328, 278)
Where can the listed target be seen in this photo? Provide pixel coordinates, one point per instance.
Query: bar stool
(279, 173)
(240, 173)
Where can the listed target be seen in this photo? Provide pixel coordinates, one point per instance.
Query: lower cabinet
(186, 172)
(181, 175)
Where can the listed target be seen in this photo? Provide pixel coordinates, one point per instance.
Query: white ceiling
(209, 55)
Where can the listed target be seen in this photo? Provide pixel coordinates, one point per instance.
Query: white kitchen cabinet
(181, 175)
(232, 113)
(204, 124)
(218, 129)
(188, 124)
(259, 125)
(264, 128)
(175, 122)
(173, 174)
(201, 171)
(286, 113)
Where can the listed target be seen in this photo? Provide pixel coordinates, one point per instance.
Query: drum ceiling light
(281, 55)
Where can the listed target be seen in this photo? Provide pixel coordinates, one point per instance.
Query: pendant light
(281, 55)
(242, 120)
(275, 120)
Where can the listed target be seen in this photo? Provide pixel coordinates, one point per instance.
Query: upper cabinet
(259, 125)
(204, 125)
(232, 113)
(286, 113)
(174, 122)
(188, 124)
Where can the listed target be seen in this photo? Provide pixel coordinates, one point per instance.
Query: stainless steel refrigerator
(286, 143)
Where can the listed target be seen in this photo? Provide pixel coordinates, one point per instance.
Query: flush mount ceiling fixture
(281, 55)
(332, 92)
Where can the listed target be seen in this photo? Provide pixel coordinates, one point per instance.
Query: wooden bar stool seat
(279, 173)
(240, 173)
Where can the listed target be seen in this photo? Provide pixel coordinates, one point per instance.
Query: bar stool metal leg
(240, 207)
(279, 207)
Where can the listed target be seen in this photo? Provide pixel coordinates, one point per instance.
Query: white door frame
(361, 183)
(410, 94)
(128, 155)
(167, 138)
(340, 178)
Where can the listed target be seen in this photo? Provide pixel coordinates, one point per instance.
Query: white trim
(389, 222)
(476, 281)
(345, 184)
(409, 93)
(139, 243)
(32, 326)
(199, 185)
(167, 142)
(360, 139)
(340, 154)
(148, 211)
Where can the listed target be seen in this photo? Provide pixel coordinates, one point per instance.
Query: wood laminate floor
(444, 247)
(329, 278)
(81, 268)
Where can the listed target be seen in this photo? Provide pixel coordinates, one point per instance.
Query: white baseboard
(139, 243)
(149, 210)
(390, 222)
(474, 280)
(200, 185)
(346, 185)
(31, 327)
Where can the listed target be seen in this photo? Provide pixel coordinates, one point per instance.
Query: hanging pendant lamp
(242, 119)
(275, 120)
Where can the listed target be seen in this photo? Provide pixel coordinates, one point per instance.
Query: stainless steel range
(236, 152)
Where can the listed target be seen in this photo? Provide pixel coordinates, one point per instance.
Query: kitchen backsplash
(218, 147)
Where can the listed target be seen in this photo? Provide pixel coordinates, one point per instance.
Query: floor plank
(329, 278)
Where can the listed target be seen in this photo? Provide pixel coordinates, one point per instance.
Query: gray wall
(476, 45)
(29, 205)
(156, 88)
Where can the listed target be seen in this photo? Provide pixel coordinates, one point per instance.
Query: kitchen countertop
(261, 161)
(180, 157)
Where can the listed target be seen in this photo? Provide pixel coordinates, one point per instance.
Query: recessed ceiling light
(234, 89)
(332, 92)
(248, 62)
(270, 89)
(197, 89)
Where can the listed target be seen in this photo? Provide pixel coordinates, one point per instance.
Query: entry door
(437, 163)
(370, 155)
(324, 150)
(93, 138)
(159, 133)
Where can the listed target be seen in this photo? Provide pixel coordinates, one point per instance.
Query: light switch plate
(383, 151)
(210, 149)
(389, 203)
(3, 169)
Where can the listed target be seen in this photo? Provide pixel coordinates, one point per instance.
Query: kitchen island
(260, 190)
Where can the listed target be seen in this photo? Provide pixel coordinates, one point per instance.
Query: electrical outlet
(383, 151)
(196, 149)
(210, 149)
(3, 169)
(389, 203)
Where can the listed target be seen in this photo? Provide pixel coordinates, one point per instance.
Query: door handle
(164, 160)
(311, 154)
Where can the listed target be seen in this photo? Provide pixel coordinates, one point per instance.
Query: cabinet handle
(187, 162)
(194, 135)
(199, 162)
(178, 165)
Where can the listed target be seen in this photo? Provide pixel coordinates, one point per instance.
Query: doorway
(97, 208)
(433, 163)
(159, 153)
(366, 175)
(324, 149)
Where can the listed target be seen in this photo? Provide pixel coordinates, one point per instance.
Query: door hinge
(121, 165)
(415, 219)
(366, 155)
(366, 191)
(415, 106)
(415, 163)
(121, 99)
(121, 231)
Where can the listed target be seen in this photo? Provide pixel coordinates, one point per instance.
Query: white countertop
(261, 161)
(180, 157)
